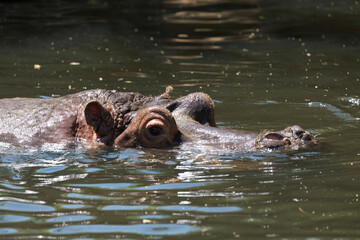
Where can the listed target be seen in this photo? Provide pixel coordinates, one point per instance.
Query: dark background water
(267, 64)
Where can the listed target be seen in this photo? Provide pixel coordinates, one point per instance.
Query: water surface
(266, 64)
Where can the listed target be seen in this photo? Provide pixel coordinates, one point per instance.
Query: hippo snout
(296, 133)
(293, 137)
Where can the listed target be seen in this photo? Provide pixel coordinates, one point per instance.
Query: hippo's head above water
(152, 126)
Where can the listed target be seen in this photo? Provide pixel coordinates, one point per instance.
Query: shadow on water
(266, 64)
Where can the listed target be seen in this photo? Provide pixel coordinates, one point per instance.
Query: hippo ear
(96, 115)
(197, 106)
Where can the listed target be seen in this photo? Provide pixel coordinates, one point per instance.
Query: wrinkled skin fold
(128, 119)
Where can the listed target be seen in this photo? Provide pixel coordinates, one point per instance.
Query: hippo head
(293, 137)
(153, 127)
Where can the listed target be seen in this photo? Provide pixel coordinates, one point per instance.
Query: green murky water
(266, 64)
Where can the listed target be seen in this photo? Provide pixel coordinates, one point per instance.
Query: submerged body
(128, 119)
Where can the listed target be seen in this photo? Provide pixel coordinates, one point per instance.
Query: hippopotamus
(130, 119)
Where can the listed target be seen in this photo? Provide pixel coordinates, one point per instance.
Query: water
(266, 64)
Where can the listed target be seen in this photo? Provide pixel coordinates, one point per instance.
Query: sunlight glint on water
(266, 64)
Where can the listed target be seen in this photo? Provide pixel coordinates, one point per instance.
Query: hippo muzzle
(293, 137)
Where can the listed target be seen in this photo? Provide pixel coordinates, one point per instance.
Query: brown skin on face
(153, 127)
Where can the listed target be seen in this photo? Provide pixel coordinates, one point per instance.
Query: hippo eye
(155, 130)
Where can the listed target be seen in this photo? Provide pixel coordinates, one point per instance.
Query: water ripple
(142, 229)
(13, 218)
(336, 111)
(213, 18)
(5, 231)
(69, 218)
(124, 208)
(174, 186)
(24, 207)
(112, 186)
(188, 208)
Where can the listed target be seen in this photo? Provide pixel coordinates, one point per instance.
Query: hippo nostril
(274, 136)
(307, 137)
(300, 133)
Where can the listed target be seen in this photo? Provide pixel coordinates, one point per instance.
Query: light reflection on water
(185, 192)
(267, 64)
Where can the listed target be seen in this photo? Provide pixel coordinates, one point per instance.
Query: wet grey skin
(129, 119)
